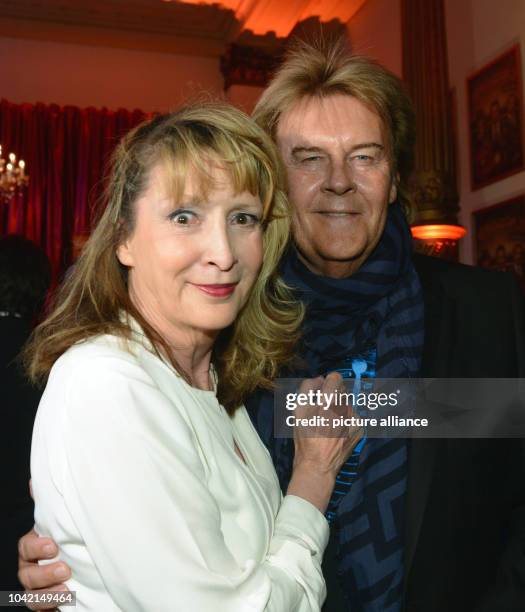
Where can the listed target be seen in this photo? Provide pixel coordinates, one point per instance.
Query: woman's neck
(195, 361)
(191, 348)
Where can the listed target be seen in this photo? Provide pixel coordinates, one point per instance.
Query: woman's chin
(215, 324)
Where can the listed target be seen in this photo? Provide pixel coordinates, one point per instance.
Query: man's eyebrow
(361, 145)
(304, 149)
(367, 145)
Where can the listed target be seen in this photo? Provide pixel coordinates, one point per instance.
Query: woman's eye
(183, 217)
(245, 219)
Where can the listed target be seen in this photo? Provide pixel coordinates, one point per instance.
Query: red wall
(41, 71)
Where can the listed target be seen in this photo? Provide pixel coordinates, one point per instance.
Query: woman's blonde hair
(327, 68)
(94, 295)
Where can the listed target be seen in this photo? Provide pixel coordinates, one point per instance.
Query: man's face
(339, 181)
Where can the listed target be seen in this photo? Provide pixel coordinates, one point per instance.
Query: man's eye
(311, 159)
(245, 219)
(183, 217)
(364, 158)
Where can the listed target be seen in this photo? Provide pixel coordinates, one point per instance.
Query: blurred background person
(24, 280)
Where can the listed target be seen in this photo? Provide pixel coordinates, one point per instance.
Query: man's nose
(219, 249)
(339, 179)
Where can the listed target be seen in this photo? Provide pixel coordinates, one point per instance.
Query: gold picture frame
(495, 111)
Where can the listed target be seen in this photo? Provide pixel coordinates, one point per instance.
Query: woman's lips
(218, 290)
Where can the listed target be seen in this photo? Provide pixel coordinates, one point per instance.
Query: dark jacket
(18, 403)
(465, 502)
(465, 521)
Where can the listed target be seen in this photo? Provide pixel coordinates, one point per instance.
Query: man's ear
(125, 254)
(393, 188)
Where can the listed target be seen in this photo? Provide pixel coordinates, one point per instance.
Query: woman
(146, 468)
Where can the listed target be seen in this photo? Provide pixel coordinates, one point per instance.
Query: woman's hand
(31, 549)
(320, 452)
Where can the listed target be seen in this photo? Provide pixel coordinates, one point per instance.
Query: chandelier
(12, 176)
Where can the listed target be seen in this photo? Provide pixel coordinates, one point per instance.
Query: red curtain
(65, 150)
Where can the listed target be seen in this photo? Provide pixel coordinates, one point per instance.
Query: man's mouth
(337, 213)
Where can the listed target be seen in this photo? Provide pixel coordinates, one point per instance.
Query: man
(424, 525)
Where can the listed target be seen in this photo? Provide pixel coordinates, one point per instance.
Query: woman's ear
(125, 254)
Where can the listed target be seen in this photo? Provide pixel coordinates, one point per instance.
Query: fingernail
(61, 572)
(49, 550)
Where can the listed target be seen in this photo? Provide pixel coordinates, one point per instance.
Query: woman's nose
(219, 249)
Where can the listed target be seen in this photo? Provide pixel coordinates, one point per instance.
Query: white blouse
(136, 478)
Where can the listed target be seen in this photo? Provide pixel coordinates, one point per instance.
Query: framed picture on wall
(499, 234)
(495, 114)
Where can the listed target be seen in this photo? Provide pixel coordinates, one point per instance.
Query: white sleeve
(148, 519)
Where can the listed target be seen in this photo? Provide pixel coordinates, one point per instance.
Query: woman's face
(192, 263)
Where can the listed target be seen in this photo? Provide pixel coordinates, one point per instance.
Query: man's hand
(31, 549)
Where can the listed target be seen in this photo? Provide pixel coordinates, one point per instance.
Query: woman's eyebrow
(187, 200)
(246, 205)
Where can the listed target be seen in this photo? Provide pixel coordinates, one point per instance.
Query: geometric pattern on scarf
(381, 306)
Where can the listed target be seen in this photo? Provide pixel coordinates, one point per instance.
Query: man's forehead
(313, 122)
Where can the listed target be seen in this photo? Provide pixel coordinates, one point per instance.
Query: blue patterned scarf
(378, 309)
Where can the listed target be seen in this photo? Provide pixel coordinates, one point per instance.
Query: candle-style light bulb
(12, 176)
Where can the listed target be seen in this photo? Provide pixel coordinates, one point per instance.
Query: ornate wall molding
(249, 65)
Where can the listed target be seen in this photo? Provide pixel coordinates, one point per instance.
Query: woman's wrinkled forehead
(184, 173)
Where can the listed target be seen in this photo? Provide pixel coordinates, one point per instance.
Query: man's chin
(333, 262)
(342, 251)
